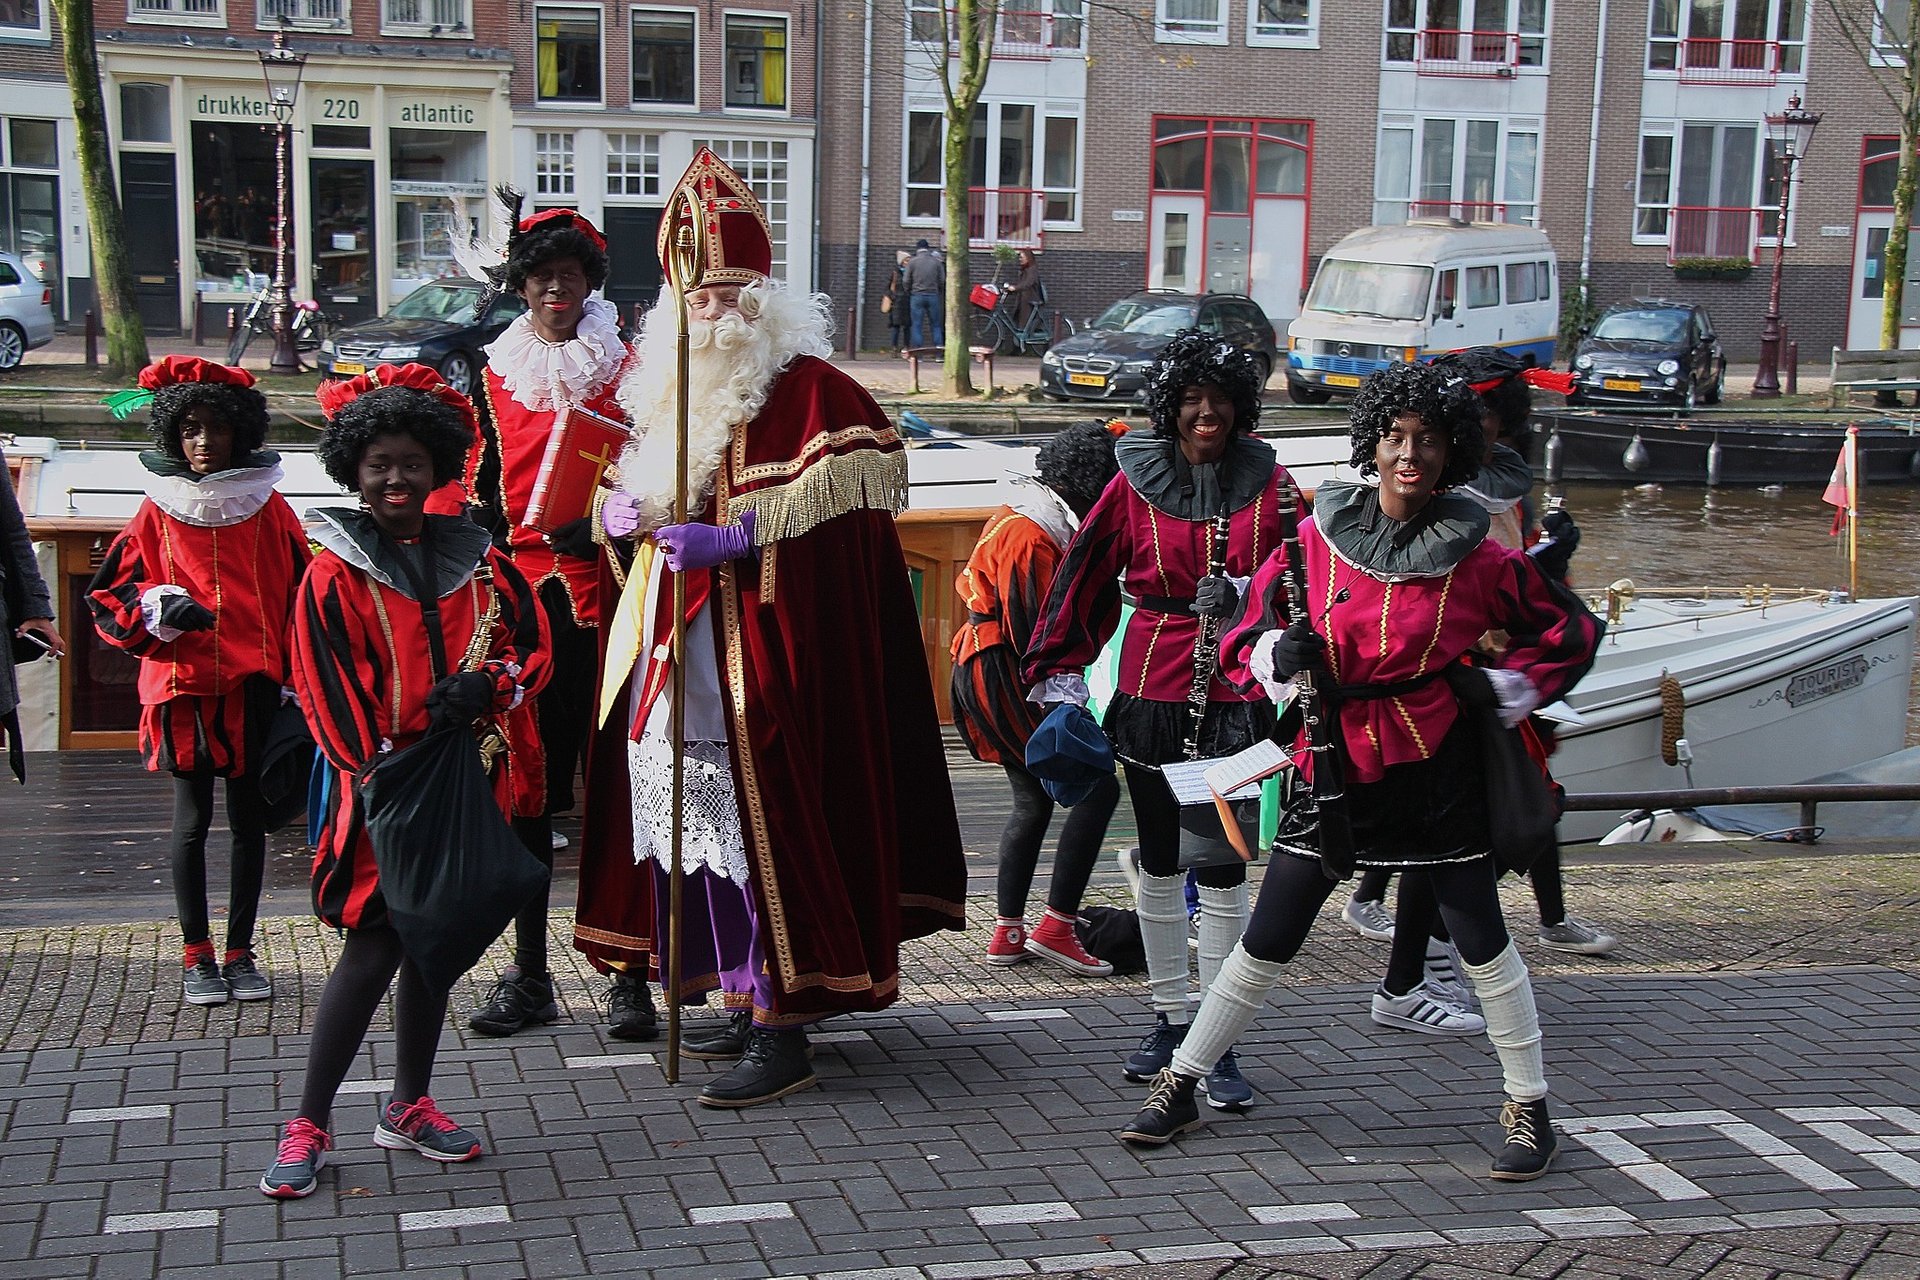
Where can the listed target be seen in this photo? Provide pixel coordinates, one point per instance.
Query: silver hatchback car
(26, 311)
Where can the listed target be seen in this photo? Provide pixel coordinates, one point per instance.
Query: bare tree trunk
(958, 368)
(1893, 268)
(112, 272)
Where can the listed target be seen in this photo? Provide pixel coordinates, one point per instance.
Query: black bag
(1113, 935)
(451, 870)
(285, 766)
(1522, 806)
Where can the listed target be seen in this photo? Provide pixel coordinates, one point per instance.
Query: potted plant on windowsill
(1712, 268)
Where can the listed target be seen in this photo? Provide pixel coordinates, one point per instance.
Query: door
(147, 195)
(633, 267)
(1278, 272)
(1174, 243)
(343, 266)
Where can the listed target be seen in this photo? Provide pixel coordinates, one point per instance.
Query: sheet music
(1187, 779)
(1235, 773)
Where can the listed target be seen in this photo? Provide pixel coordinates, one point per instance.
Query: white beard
(732, 365)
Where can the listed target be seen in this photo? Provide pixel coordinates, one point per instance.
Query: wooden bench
(1888, 371)
(981, 355)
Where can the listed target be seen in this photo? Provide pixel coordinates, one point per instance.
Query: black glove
(575, 538)
(1559, 539)
(1216, 597)
(1300, 648)
(184, 613)
(460, 699)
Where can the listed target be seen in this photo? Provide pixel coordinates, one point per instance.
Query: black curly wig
(1194, 358)
(242, 408)
(394, 411)
(1439, 399)
(1077, 463)
(543, 245)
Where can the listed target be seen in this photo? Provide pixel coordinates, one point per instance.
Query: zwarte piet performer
(199, 586)
(1402, 582)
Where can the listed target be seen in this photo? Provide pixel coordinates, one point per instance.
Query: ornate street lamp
(1790, 132)
(281, 67)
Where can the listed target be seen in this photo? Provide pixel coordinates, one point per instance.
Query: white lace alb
(542, 375)
(711, 834)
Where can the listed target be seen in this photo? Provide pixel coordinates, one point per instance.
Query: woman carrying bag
(1401, 582)
(366, 671)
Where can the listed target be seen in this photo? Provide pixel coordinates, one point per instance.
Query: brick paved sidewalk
(1736, 1089)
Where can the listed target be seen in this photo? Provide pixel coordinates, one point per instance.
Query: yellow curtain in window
(547, 58)
(773, 88)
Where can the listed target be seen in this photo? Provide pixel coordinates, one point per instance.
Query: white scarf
(212, 502)
(543, 375)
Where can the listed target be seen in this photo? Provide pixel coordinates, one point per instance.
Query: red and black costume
(1004, 583)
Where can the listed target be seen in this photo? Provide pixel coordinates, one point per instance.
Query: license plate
(1341, 380)
(348, 368)
(1087, 379)
(1620, 384)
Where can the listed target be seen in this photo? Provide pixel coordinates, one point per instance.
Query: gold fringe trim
(866, 479)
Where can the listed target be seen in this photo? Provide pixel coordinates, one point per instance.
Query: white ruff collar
(223, 498)
(1040, 504)
(543, 375)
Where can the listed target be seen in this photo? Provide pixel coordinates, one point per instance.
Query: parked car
(26, 311)
(1109, 359)
(1650, 349)
(433, 325)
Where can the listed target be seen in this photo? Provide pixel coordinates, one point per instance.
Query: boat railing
(1808, 795)
(1619, 597)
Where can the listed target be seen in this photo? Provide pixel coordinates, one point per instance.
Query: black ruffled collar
(1430, 545)
(459, 545)
(1161, 474)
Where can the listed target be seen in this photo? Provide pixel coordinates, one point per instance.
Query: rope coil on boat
(1673, 718)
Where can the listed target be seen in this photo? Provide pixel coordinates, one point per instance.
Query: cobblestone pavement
(1735, 1086)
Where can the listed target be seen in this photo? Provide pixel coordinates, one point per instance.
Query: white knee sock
(1163, 935)
(1234, 1000)
(1513, 1024)
(1223, 920)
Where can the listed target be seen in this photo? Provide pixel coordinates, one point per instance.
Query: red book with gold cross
(583, 445)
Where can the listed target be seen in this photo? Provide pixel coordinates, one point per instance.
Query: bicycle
(311, 326)
(999, 328)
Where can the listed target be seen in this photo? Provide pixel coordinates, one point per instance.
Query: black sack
(451, 870)
(1522, 806)
(285, 766)
(1113, 935)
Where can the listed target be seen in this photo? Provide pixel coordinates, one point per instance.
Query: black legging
(1295, 888)
(1549, 887)
(1026, 830)
(530, 924)
(354, 989)
(192, 818)
(1156, 815)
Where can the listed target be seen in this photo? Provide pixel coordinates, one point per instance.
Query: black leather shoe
(774, 1065)
(723, 1043)
(630, 1014)
(517, 1000)
(1170, 1111)
(1531, 1142)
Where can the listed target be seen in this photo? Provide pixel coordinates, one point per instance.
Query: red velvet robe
(852, 840)
(363, 681)
(193, 709)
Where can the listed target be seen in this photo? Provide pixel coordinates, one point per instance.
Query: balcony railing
(1018, 33)
(1444, 52)
(1713, 231)
(1729, 61)
(1465, 210)
(1004, 215)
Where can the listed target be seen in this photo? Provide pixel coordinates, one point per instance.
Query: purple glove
(701, 546)
(620, 514)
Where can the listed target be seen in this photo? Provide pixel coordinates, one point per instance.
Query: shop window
(663, 57)
(633, 164)
(23, 18)
(1283, 22)
(200, 13)
(756, 62)
(145, 113)
(432, 169)
(233, 187)
(302, 13)
(763, 163)
(567, 55)
(439, 17)
(1190, 22)
(33, 144)
(553, 164)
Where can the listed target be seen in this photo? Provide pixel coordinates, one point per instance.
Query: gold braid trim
(865, 479)
(393, 655)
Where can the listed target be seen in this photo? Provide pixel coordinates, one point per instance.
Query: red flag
(1838, 488)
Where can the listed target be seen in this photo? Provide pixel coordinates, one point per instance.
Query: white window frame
(648, 174)
(174, 16)
(1199, 32)
(785, 19)
(780, 212)
(1684, 22)
(42, 34)
(1670, 130)
(341, 20)
(907, 185)
(1886, 53)
(556, 171)
(461, 28)
(1511, 27)
(600, 22)
(1306, 38)
(1042, 112)
(649, 104)
(1509, 128)
(1763, 161)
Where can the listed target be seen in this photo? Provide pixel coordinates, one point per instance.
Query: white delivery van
(1411, 292)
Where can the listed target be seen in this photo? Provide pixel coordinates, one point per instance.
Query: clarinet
(1206, 647)
(1332, 832)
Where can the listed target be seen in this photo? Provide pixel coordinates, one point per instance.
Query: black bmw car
(1109, 359)
(1650, 350)
(434, 325)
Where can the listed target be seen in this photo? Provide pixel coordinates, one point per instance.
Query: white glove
(1260, 663)
(1068, 686)
(150, 601)
(1516, 693)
